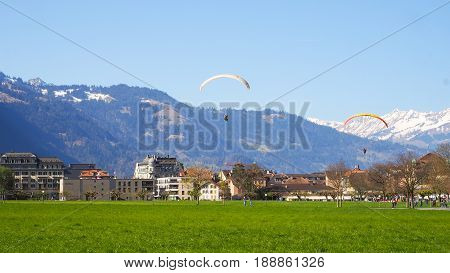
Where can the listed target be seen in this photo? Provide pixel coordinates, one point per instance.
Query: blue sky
(275, 45)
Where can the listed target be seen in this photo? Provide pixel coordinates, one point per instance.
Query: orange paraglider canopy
(366, 115)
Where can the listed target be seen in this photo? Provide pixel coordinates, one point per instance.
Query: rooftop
(18, 155)
(50, 159)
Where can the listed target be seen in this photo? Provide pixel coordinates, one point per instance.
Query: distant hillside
(100, 124)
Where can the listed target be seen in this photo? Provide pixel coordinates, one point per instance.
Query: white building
(175, 189)
(172, 187)
(156, 166)
(210, 192)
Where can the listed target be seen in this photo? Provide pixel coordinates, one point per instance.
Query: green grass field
(53, 226)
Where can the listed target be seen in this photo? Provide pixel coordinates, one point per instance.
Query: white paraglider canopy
(229, 76)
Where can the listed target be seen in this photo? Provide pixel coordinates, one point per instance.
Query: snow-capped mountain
(421, 129)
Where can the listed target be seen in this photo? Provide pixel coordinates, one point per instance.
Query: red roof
(94, 173)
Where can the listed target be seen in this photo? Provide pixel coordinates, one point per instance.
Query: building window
(135, 184)
(119, 183)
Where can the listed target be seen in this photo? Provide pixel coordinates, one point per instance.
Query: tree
(224, 190)
(359, 182)
(6, 181)
(164, 194)
(327, 194)
(65, 195)
(410, 175)
(439, 174)
(425, 193)
(245, 177)
(337, 180)
(143, 194)
(21, 195)
(197, 178)
(90, 195)
(115, 194)
(443, 150)
(381, 179)
(301, 193)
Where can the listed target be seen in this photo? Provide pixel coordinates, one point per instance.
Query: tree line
(407, 176)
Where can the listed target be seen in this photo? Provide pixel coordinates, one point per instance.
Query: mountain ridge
(421, 129)
(100, 124)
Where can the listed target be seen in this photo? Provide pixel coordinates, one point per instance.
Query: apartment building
(172, 188)
(156, 166)
(129, 189)
(35, 175)
(210, 192)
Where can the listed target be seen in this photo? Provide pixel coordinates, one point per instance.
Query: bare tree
(443, 150)
(65, 195)
(381, 178)
(439, 175)
(360, 182)
(327, 194)
(115, 194)
(302, 193)
(90, 195)
(410, 175)
(337, 180)
(224, 190)
(143, 194)
(197, 178)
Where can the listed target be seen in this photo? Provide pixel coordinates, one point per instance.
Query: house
(226, 175)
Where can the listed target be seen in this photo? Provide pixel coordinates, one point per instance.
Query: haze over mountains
(99, 124)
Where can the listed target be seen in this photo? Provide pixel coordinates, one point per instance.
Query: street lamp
(43, 196)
